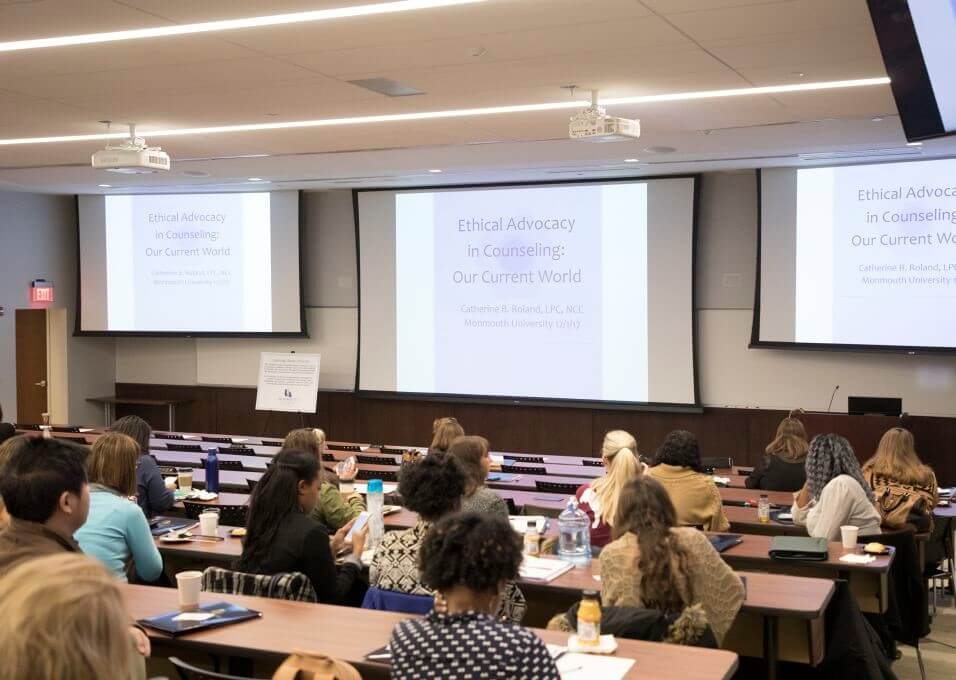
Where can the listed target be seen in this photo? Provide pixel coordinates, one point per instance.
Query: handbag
(308, 666)
(900, 504)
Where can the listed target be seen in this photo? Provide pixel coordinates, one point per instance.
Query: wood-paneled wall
(346, 416)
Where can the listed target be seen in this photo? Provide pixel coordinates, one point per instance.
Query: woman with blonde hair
(472, 455)
(64, 617)
(895, 473)
(116, 528)
(782, 468)
(444, 432)
(332, 509)
(599, 499)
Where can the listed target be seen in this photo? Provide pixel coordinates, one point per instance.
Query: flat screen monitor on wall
(190, 264)
(577, 292)
(858, 257)
(919, 49)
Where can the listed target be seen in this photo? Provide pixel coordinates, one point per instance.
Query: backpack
(901, 504)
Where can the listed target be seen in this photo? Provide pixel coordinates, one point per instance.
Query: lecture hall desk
(350, 634)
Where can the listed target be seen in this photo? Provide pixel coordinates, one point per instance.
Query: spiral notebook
(207, 616)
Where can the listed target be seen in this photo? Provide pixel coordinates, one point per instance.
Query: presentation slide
(190, 263)
(573, 291)
(935, 25)
(860, 255)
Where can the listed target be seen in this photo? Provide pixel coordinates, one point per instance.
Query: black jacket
(775, 474)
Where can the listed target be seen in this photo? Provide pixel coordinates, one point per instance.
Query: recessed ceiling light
(632, 160)
(877, 119)
(456, 113)
(660, 149)
(914, 143)
(105, 186)
(798, 74)
(435, 170)
(231, 24)
(195, 173)
(256, 179)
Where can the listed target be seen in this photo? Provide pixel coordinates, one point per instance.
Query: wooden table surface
(349, 634)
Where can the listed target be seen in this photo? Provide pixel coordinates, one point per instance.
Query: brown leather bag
(900, 504)
(308, 666)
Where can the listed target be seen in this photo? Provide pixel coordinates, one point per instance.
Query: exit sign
(41, 293)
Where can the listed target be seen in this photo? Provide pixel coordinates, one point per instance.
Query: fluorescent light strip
(230, 24)
(452, 113)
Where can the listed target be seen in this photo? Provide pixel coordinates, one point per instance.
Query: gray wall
(38, 241)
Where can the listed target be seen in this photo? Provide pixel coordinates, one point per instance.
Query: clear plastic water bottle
(212, 471)
(574, 535)
(376, 520)
(763, 509)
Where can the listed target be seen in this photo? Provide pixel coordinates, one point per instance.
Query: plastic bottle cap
(374, 486)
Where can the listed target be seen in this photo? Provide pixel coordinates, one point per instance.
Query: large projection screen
(190, 264)
(572, 292)
(858, 257)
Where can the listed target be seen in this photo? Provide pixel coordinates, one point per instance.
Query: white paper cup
(346, 487)
(209, 523)
(189, 583)
(849, 535)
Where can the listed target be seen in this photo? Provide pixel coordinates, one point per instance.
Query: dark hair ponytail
(274, 498)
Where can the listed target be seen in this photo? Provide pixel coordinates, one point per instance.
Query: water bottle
(212, 471)
(376, 520)
(574, 535)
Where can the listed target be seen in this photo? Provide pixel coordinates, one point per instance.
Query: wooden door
(31, 365)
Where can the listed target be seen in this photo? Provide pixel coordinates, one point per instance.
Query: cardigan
(841, 502)
(712, 582)
(151, 492)
(116, 530)
(773, 473)
(694, 495)
(334, 511)
(485, 501)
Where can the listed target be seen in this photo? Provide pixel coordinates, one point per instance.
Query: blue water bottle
(212, 471)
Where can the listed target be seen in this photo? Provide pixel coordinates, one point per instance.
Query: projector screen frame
(491, 399)
(909, 78)
(78, 332)
(757, 343)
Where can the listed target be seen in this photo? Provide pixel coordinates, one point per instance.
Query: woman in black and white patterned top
(467, 559)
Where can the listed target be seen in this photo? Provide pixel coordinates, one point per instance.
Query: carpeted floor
(939, 649)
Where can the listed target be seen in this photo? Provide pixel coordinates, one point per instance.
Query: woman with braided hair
(836, 494)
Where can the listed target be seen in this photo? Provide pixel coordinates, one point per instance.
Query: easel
(302, 424)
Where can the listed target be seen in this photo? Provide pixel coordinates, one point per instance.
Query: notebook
(542, 569)
(723, 541)
(207, 616)
(798, 548)
(163, 525)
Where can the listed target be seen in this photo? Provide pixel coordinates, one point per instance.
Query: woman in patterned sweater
(467, 559)
(472, 454)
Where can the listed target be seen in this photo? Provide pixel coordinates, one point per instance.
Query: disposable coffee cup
(188, 584)
(849, 535)
(209, 523)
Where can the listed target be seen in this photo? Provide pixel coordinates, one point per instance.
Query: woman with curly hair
(466, 559)
(782, 467)
(836, 494)
(694, 494)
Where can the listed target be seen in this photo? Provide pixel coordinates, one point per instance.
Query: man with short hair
(44, 487)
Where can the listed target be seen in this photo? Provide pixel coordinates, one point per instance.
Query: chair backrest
(189, 672)
(593, 462)
(168, 470)
(524, 459)
(524, 470)
(224, 464)
(556, 487)
(233, 515)
(376, 460)
(269, 442)
(355, 448)
(66, 428)
(237, 450)
(167, 435)
(384, 475)
(711, 463)
(217, 440)
(393, 601)
(189, 448)
(546, 510)
(288, 586)
(328, 457)
(251, 483)
(512, 506)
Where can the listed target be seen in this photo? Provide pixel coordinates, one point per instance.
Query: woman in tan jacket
(694, 494)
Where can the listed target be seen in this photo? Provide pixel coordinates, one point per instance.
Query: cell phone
(360, 522)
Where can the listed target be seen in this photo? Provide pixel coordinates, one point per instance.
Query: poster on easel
(288, 382)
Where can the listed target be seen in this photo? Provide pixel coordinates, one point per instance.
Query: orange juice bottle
(589, 620)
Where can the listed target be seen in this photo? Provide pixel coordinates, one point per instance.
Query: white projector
(595, 125)
(131, 157)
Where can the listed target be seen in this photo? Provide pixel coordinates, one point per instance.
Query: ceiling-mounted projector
(595, 125)
(131, 156)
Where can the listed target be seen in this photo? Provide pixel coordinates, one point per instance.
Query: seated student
(895, 470)
(6, 449)
(836, 493)
(782, 468)
(694, 494)
(332, 509)
(152, 493)
(467, 558)
(655, 564)
(282, 538)
(46, 494)
(432, 487)
(116, 529)
(472, 455)
(444, 432)
(64, 617)
(6, 429)
(599, 498)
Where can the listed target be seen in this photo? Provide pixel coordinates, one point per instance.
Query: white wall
(38, 241)
(730, 374)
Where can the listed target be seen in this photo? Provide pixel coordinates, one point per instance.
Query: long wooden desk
(350, 634)
(109, 407)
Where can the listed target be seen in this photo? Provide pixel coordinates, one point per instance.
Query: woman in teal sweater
(116, 529)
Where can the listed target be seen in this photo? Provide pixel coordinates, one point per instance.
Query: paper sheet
(579, 666)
